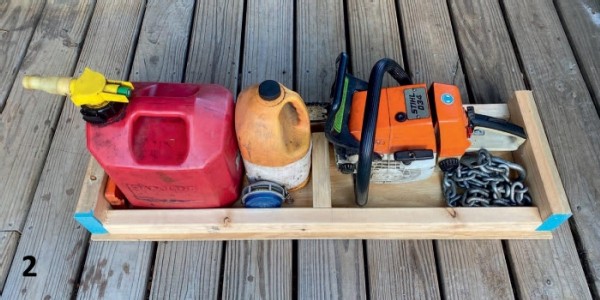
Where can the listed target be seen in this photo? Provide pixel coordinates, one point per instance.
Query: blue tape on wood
(553, 222)
(89, 221)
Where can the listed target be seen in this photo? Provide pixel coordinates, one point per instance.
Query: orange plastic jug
(273, 131)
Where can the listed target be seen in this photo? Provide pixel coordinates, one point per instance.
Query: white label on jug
(290, 176)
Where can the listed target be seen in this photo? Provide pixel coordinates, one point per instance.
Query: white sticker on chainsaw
(387, 170)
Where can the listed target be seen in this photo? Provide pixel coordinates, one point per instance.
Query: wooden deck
(487, 48)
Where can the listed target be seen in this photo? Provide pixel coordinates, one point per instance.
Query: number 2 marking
(27, 272)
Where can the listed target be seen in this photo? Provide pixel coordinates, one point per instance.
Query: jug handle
(301, 110)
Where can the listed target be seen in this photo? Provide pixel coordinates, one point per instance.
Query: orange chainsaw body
(410, 120)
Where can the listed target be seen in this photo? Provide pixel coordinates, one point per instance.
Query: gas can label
(148, 192)
(416, 103)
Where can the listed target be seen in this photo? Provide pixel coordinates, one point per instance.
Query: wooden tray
(326, 210)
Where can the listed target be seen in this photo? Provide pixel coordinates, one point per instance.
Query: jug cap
(269, 90)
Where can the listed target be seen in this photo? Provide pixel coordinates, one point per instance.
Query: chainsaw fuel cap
(264, 194)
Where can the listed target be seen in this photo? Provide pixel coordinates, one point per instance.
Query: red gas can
(174, 148)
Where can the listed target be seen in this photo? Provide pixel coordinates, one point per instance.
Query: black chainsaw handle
(367, 140)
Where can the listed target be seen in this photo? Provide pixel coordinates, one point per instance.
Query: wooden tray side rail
(325, 221)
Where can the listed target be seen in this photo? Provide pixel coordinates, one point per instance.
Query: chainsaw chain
(484, 180)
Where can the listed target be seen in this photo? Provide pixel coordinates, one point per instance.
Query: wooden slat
(160, 56)
(493, 75)
(581, 21)
(326, 269)
(215, 47)
(263, 269)
(268, 43)
(187, 270)
(320, 38)
(548, 269)
(213, 57)
(331, 269)
(568, 113)
(374, 34)
(473, 270)
(115, 271)
(402, 270)
(50, 233)
(8, 244)
(258, 270)
(305, 221)
(18, 20)
(27, 122)
(432, 56)
(29, 117)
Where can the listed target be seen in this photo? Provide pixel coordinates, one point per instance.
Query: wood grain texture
(213, 57)
(402, 270)
(432, 56)
(320, 38)
(494, 75)
(187, 270)
(581, 22)
(28, 120)
(473, 270)
(215, 46)
(18, 20)
(263, 269)
(429, 43)
(268, 43)
(569, 116)
(163, 42)
(321, 189)
(548, 269)
(8, 244)
(258, 270)
(488, 56)
(50, 233)
(331, 269)
(160, 56)
(374, 35)
(116, 271)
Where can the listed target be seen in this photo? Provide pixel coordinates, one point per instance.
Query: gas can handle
(367, 143)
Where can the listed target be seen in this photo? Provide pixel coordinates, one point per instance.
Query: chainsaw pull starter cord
(365, 158)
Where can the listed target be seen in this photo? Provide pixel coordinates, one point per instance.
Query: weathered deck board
(18, 20)
(263, 269)
(50, 233)
(581, 22)
(160, 56)
(116, 271)
(373, 35)
(402, 270)
(26, 124)
(331, 269)
(8, 244)
(320, 38)
(215, 47)
(568, 113)
(326, 269)
(29, 117)
(213, 57)
(473, 270)
(493, 76)
(432, 56)
(258, 270)
(187, 270)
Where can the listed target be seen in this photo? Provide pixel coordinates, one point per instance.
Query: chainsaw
(398, 134)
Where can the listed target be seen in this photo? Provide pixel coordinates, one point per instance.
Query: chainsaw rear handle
(367, 142)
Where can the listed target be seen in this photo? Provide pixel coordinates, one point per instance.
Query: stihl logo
(416, 104)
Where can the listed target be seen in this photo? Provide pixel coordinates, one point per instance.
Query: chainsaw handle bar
(367, 141)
